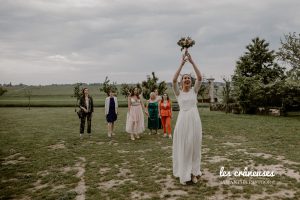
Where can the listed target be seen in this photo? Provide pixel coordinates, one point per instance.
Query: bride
(187, 140)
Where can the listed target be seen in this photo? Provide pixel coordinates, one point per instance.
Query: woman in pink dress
(135, 117)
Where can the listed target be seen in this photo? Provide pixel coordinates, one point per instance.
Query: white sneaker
(165, 135)
(170, 136)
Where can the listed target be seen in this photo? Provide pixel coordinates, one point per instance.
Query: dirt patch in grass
(9, 180)
(37, 185)
(169, 189)
(285, 161)
(107, 185)
(210, 178)
(205, 150)
(143, 151)
(10, 157)
(282, 194)
(57, 146)
(124, 173)
(104, 170)
(122, 151)
(231, 144)
(81, 187)
(166, 147)
(263, 155)
(43, 173)
(100, 143)
(140, 195)
(58, 187)
(25, 198)
(13, 159)
(216, 159)
(278, 169)
(161, 169)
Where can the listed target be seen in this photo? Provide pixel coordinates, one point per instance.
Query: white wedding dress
(187, 138)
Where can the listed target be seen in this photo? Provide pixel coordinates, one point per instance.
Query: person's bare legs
(109, 129)
(133, 134)
(112, 128)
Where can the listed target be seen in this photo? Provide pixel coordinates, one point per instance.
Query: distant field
(57, 96)
(52, 96)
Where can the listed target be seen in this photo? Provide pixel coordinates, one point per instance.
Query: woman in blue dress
(111, 111)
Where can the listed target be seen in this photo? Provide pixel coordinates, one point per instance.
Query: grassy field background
(42, 157)
(59, 96)
(56, 95)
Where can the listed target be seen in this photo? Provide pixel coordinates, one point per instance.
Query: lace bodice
(135, 102)
(187, 100)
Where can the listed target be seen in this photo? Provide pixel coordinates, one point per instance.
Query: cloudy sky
(69, 41)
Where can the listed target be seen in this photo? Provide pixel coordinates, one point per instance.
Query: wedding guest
(158, 99)
(135, 117)
(186, 153)
(87, 107)
(153, 120)
(166, 114)
(111, 111)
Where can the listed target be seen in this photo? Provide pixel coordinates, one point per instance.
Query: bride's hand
(189, 57)
(184, 58)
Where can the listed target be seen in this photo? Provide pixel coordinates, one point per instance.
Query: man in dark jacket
(87, 107)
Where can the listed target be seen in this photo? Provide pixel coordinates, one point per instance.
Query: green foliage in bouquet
(185, 42)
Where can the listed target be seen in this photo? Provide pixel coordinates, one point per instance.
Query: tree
(77, 93)
(255, 73)
(2, 91)
(151, 84)
(28, 93)
(107, 87)
(289, 53)
(203, 90)
(227, 94)
(127, 89)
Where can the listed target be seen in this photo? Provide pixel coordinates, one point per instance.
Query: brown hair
(162, 98)
(83, 90)
(132, 93)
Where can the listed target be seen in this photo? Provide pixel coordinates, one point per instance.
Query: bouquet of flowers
(185, 42)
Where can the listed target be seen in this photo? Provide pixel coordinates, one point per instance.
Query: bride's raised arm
(176, 75)
(198, 74)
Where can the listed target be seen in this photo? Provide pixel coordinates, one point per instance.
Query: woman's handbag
(80, 113)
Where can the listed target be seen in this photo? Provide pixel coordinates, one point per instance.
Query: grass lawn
(42, 157)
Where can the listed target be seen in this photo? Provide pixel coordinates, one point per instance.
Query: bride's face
(186, 81)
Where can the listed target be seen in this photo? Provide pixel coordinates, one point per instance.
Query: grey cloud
(63, 41)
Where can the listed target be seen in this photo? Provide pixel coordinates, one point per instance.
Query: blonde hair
(152, 93)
